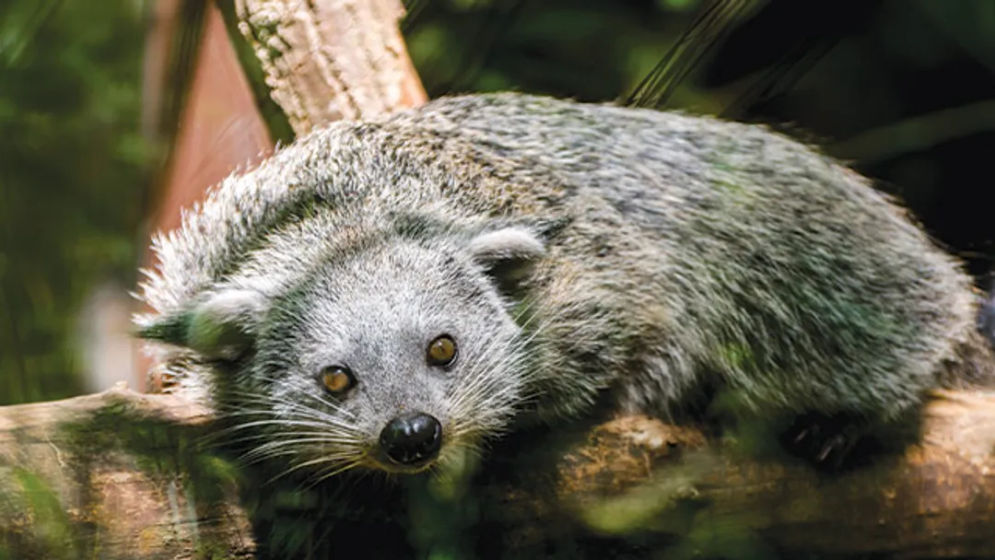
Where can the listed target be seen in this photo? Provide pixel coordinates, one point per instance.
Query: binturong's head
(393, 353)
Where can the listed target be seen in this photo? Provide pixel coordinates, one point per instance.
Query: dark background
(903, 90)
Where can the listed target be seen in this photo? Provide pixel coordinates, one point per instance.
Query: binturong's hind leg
(840, 441)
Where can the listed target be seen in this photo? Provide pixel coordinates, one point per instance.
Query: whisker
(334, 472)
(286, 423)
(295, 441)
(310, 463)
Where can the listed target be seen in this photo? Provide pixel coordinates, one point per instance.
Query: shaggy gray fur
(572, 251)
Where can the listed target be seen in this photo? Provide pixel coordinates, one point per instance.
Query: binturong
(385, 295)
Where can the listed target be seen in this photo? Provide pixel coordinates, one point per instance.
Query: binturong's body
(384, 293)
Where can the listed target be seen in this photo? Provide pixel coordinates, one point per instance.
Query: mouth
(384, 464)
(380, 459)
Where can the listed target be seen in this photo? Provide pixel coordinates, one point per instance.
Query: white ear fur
(507, 243)
(222, 327)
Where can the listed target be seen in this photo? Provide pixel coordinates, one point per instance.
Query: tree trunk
(327, 60)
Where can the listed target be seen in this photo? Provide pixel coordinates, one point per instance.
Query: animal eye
(337, 379)
(442, 351)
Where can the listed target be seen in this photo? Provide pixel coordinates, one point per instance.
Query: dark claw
(807, 433)
(836, 450)
(825, 441)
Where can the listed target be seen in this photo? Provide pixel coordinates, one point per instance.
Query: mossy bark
(123, 475)
(116, 475)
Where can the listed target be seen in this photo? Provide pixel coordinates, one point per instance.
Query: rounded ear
(222, 327)
(507, 243)
(507, 254)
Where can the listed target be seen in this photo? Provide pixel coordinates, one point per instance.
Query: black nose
(412, 438)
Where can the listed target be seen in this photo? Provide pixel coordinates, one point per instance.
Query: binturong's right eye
(337, 380)
(442, 350)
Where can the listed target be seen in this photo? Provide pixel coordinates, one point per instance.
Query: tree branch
(121, 472)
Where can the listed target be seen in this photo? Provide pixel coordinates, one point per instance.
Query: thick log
(121, 474)
(935, 499)
(115, 475)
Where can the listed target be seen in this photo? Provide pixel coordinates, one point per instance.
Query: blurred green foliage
(72, 178)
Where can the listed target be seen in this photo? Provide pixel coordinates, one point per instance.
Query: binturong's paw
(831, 443)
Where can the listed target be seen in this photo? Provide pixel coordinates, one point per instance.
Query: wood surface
(122, 474)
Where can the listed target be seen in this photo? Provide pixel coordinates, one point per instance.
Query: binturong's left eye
(337, 379)
(441, 351)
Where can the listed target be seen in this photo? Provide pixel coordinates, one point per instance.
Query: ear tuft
(222, 327)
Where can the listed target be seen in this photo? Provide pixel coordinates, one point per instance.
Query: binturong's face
(393, 356)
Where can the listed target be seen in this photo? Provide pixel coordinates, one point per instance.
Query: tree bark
(121, 474)
(327, 60)
(115, 475)
(935, 499)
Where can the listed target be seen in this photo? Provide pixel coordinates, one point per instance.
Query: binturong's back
(413, 285)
